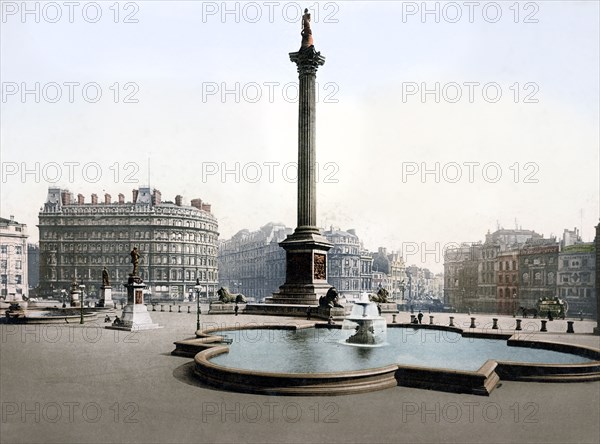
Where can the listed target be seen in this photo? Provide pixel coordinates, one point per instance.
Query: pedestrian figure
(308, 313)
(550, 318)
(236, 309)
(330, 320)
(420, 316)
(107, 318)
(379, 309)
(429, 310)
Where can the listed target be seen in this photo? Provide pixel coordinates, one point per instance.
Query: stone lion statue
(331, 299)
(381, 297)
(227, 298)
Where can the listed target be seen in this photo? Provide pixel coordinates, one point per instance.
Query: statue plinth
(135, 314)
(106, 296)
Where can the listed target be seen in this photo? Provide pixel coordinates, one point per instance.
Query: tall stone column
(306, 249)
(308, 61)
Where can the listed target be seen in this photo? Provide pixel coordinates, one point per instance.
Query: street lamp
(82, 289)
(197, 287)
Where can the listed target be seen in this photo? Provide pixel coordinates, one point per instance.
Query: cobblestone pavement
(85, 384)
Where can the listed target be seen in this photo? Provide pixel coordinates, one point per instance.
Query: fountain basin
(301, 365)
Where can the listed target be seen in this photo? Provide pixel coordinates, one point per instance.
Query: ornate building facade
(576, 277)
(507, 282)
(13, 260)
(177, 243)
(253, 263)
(344, 262)
(538, 267)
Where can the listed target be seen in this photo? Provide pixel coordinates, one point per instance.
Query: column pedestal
(306, 270)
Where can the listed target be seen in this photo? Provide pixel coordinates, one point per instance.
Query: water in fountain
(364, 326)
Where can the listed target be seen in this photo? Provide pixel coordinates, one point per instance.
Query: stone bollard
(179, 309)
(431, 320)
(570, 327)
(162, 308)
(472, 323)
(170, 308)
(153, 307)
(451, 321)
(518, 327)
(494, 323)
(189, 308)
(393, 319)
(543, 327)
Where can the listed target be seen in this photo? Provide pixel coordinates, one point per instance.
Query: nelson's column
(306, 249)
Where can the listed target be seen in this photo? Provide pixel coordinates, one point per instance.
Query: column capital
(307, 59)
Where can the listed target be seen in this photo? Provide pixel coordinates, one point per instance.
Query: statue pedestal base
(135, 314)
(106, 297)
(216, 308)
(135, 318)
(389, 307)
(337, 313)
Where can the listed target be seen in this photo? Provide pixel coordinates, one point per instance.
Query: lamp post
(82, 289)
(197, 287)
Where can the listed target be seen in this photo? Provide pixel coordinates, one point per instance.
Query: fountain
(23, 312)
(364, 326)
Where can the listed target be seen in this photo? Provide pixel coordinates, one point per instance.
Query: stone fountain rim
(479, 382)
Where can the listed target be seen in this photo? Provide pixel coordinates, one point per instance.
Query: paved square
(73, 384)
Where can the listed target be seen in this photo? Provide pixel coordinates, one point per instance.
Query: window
(18, 279)
(18, 249)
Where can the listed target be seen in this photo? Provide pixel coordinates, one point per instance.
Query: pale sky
(373, 129)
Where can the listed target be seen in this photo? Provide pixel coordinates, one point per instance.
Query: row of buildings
(178, 243)
(516, 268)
(252, 263)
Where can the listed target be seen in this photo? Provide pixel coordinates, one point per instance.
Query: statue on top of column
(307, 39)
